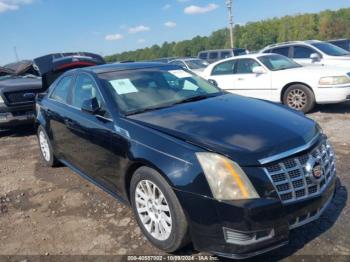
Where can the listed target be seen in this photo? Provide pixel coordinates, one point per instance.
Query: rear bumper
(218, 227)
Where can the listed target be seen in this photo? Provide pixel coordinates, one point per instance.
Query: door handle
(240, 79)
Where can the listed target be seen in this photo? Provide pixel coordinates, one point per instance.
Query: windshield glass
(140, 90)
(278, 62)
(197, 64)
(330, 49)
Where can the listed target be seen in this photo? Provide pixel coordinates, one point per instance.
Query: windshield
(330, 49)
(140, 90)
(197, 64)
(278, 62)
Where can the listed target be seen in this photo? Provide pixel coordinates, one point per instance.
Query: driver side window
(85, 89)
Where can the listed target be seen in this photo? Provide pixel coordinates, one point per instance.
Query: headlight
(1, 100)
(226, 179)
(334, 80)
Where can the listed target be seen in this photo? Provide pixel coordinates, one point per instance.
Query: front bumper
(268, 220)
(14, 116)
(327, 95)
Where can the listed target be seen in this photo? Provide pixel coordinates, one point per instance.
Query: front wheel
(158, 211)
(299, 97)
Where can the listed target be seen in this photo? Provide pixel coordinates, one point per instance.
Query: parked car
(279, 79)
(342, 43)
(21, 83)
(231, 174)
(311, 52)
(164, 60)
(193, 64)
(212, 56)
(17, 82)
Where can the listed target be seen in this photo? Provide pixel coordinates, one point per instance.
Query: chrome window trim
(289, 152)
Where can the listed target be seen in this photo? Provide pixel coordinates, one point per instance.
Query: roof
(185, 59)
(223, 49)
(255, 55)
(121, 67)
(291, 43)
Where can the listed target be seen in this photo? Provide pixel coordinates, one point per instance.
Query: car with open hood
(20, 82)
(279, 79)
(231, 174)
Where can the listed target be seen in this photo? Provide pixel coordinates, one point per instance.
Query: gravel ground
(52, 212)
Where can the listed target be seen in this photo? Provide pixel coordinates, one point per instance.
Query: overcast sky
(39, 27)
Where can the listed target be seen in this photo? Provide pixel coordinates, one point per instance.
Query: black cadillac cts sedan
(230, 174)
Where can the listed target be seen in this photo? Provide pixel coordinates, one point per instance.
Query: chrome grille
(20, 97)
(291, 179)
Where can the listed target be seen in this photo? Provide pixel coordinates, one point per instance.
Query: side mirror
(315, 57)
(259, 70)
(213, 82)
(90, 106)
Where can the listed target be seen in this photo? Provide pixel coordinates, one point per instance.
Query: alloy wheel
(44, 146)
(153, 210)
(297, 99)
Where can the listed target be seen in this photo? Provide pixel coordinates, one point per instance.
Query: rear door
(251, 84)
(223, 75)
(57, 111)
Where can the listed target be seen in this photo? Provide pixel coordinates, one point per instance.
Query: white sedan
(279, 79)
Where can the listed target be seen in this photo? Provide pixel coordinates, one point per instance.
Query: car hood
(319, 70)
(342, 58)
(18, 83)
(244, 129)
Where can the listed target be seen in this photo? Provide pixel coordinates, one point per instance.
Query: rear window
(281, 51)
(203, 55)
(213, 55)
(225, 54)
(225, 68)
(60, 93)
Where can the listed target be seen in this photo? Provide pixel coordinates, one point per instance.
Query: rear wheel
(158, 211)
(299, 97)
(46, 148)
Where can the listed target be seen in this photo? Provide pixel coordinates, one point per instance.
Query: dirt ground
(53, 212)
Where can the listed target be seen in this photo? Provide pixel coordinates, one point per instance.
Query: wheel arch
(291, 84)
(131, 169)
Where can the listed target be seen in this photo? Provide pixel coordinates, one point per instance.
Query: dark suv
(20, 82)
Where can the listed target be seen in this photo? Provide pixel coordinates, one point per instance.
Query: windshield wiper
(193, 98)
(187, 100)
(144, 110)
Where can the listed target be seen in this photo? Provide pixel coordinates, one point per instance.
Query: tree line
(253, 36)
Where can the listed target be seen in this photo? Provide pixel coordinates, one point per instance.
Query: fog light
(348, 98)
(247, 238)
(3, 116)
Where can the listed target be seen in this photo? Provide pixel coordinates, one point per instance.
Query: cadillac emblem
(317, 171)
(314, 169)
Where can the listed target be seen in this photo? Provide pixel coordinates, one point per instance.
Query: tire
(299, 97)
(46, 149)
(171, 239)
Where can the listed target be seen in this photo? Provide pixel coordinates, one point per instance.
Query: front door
(91, 150)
